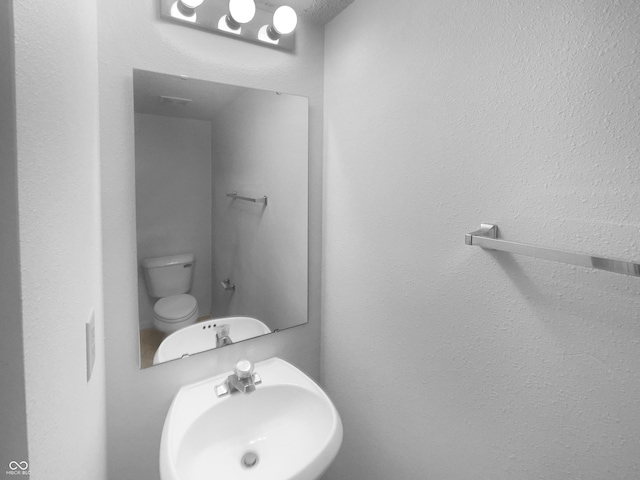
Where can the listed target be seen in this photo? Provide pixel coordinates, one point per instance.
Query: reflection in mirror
(221, 213)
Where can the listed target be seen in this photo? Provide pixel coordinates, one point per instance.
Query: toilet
(169, 279)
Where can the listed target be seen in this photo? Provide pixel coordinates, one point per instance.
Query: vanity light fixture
(186, 10)
(237, 18)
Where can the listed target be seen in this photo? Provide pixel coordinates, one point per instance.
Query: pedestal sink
(287, 429)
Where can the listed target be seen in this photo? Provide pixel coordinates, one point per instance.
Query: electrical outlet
(90, 332)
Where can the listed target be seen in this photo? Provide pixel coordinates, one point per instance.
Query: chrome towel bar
(235, 196)
(487, 237)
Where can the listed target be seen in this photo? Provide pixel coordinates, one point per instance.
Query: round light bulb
(242, 11)
(285, 20)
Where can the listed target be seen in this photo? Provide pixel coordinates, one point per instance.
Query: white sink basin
(288, 423)
(201, 337)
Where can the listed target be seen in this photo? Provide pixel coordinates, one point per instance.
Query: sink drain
(249, 460)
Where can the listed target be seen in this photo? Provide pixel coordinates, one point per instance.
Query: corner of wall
(13, 417)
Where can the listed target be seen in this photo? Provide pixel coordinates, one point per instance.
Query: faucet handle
(243, 369)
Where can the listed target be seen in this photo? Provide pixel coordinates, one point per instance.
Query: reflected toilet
(169, 279)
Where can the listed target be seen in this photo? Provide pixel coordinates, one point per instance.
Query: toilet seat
(175, 308)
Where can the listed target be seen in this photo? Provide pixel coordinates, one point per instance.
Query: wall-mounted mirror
(221, 213)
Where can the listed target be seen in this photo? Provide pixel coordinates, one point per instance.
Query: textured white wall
(131, 35)
(13, 420)
(260, 147)
(173, 200)
(59, 222)
(448, 362)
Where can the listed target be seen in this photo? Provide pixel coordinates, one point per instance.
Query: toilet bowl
(175, 312)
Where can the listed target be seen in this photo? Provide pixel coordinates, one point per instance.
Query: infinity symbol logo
(13, 465)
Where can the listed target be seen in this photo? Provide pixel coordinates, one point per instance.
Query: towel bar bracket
(486, 230)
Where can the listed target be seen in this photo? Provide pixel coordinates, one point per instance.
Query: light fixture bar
(213, 15)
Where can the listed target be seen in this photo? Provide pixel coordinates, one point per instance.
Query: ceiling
(319, 12)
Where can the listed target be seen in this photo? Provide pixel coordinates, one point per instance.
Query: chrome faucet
(243, 379)
(222, 336)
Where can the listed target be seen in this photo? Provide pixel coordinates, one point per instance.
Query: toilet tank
(169, 275)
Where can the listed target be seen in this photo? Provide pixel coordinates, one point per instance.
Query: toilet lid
(176, 307)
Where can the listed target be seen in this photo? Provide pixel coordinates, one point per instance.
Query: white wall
(13, 420)
(59, 225)
(131, 35)
(260, 147)
(173, 200)
(446, 361)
